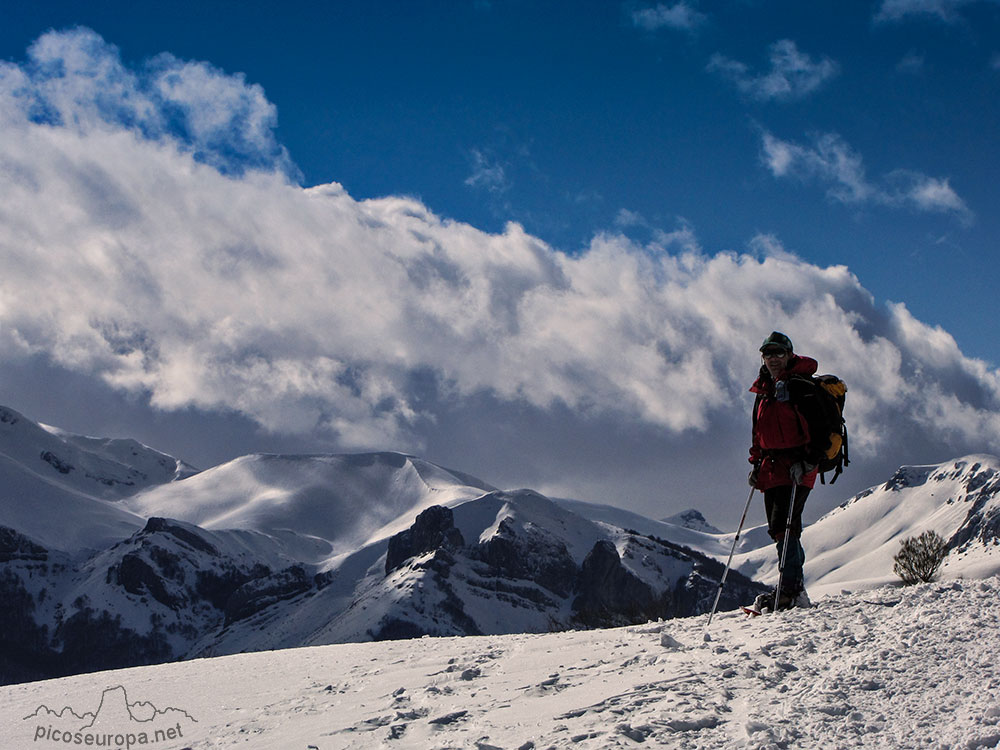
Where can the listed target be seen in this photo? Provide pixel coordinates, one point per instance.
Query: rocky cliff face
(145, 600)
(981, 484)
(520, 570)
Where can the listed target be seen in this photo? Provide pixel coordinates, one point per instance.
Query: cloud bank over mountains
(154, 236)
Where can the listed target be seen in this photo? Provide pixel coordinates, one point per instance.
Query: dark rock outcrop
(16, 546)
(56, 463)
(432, 529)
(173, 528)
(609, 594)
(137, 576)
(535, 557)
(258, 594)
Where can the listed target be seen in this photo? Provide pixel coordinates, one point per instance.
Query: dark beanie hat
(777, 340)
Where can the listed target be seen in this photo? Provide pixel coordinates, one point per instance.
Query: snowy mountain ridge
(272, 551)
(64, 490)
(106, 467)
(853, 546)
(345, 500)
(275, 551)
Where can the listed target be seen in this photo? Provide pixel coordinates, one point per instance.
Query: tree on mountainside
(919, 558)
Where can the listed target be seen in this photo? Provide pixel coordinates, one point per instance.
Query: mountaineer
(790, 438)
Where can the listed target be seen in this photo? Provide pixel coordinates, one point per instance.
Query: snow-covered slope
(65, 491)
(111, 553)
(692, 519)
(504, 562)
(275, 551)
(678, 528)
(345, 500)
(889, 668)
(853, 546)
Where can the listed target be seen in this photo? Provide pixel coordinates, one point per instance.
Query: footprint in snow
(637, 734)
(547, 686)
(449, 718)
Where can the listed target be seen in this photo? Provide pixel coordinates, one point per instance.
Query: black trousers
(776, 501)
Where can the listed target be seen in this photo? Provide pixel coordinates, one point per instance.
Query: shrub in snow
(919, 558)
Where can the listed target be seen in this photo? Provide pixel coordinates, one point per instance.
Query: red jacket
(783, 413)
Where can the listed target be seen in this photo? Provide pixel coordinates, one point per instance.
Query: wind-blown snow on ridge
(346, 500)
(888, 668)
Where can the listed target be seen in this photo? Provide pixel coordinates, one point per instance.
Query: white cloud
(626, 218)
(927, 193)
(487, 173)
(832, 161)
(897, 10)
(682, 16)
(77, 80)
(129, 257)
(770, 246)
(792, 75)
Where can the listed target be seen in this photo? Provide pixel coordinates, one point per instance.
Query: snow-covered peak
(128, 452)
(348, 500)
(526, 512)
(65, 491)
(100, 467)
(692, 519)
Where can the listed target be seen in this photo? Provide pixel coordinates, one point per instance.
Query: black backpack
(831, 392)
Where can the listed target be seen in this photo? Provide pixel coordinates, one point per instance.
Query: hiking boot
(785, 601)
(795, 598)
(801, 600)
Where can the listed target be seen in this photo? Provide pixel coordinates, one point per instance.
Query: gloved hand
(754, 476)
(799, 470)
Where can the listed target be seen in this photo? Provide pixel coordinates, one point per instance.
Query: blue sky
(563, 115)
(690, 153)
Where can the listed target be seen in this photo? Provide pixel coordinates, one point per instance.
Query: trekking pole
(730, 560)
(784, 546)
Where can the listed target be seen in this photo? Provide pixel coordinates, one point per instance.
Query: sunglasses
(775, 353)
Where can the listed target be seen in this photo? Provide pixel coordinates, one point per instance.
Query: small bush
(919, 558)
